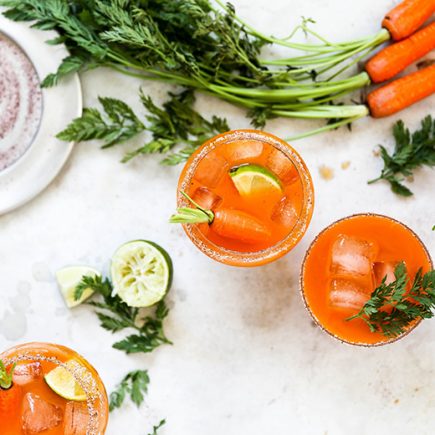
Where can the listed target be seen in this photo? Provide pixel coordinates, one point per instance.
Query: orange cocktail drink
(52, 390)
(346, 262)
(259, 193)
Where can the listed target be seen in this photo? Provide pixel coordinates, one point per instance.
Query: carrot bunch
(411, 44)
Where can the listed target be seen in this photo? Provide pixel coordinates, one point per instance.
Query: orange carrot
(402, 92)
(396, 57)
(236, 224)
(407, 17)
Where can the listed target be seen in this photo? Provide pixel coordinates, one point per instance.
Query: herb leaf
(177, 123)
(411, 151)
(135, 384)
(156, 428)
(392, 308)
(115, 315)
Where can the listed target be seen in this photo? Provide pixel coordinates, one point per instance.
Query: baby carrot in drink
(245, 198)
(345, 264)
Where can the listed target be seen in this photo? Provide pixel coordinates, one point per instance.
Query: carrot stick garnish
(396, 57)
(230, 223)
(407, 17)
(402, 92)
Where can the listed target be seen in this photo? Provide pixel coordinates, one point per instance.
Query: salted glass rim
(225, 255)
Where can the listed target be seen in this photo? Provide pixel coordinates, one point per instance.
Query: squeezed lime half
(141, 273)
(69, 277)
(253, 179)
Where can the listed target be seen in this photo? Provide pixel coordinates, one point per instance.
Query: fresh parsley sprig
(115, 315)
(392, 308)
(156, 428)
(411, 151)
(134, 384)
(176, 124)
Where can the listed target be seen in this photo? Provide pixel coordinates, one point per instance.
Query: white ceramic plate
(43, 160)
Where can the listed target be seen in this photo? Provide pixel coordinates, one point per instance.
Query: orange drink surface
(259, 190)
(344, 265)
(30, 406)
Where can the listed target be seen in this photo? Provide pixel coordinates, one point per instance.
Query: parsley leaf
(392, 308)
(156, 428)
(135, 384)
(177, 123)
(115, 315)
(411, 151)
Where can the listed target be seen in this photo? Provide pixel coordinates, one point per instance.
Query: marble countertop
(246, 358)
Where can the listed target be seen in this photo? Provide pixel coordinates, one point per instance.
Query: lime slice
(141, 273)
(68, 278)
(63, 383)
(252, 179)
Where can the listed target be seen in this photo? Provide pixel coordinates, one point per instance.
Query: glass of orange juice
(50, 389)
(346, 262)
(245, 198)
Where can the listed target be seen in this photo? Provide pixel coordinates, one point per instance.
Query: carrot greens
(392, 307)
(205, 46)
(411, 151)
(175, 124)
(115, 315)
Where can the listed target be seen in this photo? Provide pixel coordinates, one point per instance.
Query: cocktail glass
(40, 409)
(334, 285)
(206, 178)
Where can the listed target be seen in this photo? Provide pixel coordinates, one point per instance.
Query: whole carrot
(407, 17)
(396, 57)
(402, 92)
(230, 223)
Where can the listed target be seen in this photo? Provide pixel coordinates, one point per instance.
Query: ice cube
(211, 169)
(76, 418)
(284, 213)
(352, 258)
(282, 166)
(25, 373)
(384, 269)
(347, 295)
(39, 415)
(206, 198)
(243, 151)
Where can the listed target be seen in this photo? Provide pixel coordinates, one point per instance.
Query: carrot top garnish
(188, 215)
(5, 377)
(406, 306)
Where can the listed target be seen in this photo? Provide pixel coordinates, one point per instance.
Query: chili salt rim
(274, 252)
(301, 281)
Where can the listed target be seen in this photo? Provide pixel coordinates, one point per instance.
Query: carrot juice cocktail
(363, 280)
(245, 197)
(52, 390)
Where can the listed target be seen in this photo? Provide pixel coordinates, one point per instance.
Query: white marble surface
(246, 357)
